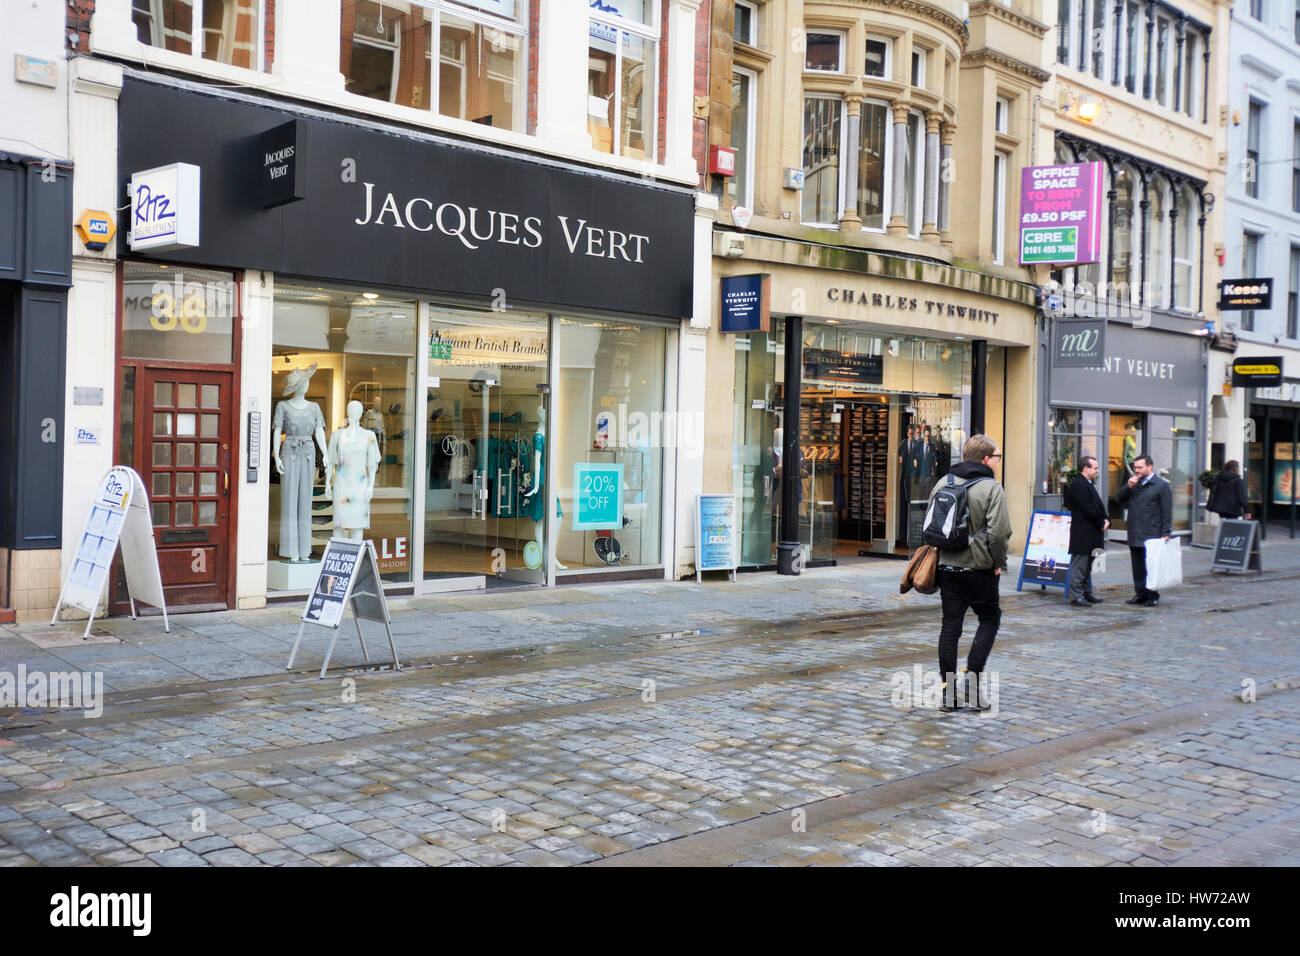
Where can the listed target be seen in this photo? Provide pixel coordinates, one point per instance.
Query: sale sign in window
(598, 496)
(1060, 214)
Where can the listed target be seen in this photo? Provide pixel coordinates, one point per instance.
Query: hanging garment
(461, 464)
(298, 455)
(353, 453)
(533, 508)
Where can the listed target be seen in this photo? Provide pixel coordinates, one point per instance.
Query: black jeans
(1140, 574)
(959, 591)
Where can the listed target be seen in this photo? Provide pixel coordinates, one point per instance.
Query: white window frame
(919, 66)
(1163, 19)
(1192, 66)
(1001, 161)
(1158, 252)
(826, 31)
(1001, 114)
(888, 72)
(752, 38)
(839, 170)
(198, 36)
(1100, 71)
(649, 32)
(888, 197)
(751, 80)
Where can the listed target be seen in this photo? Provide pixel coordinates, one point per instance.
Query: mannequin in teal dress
(532, 501)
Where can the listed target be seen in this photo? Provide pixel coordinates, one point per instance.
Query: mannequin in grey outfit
(297, 421)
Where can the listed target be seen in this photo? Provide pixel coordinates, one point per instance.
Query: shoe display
(1092, 599)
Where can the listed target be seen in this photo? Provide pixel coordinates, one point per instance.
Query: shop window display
(486, 487)
(335, 350)
(882, 418)
(611, 410)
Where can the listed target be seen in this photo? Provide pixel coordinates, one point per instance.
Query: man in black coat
(1088, 524)
(1150, 504)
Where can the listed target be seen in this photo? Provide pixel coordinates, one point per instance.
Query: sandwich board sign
(119, 514)
(1046, 561)
(715, 535)
(349, 574)
(1236, 546)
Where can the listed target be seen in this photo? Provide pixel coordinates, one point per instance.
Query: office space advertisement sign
(598, 496)
(746, 301)
(1079, 343)
(164, 208)
(716, 533)
(1060, 213)
(1046, 559)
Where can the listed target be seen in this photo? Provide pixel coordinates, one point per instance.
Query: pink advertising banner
(1060, 214)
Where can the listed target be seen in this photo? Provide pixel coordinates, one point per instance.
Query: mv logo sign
(1079, 343)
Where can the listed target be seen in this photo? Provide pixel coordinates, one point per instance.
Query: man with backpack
(967, 521)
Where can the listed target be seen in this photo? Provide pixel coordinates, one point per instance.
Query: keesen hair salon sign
(390, 210)
(1060, 214)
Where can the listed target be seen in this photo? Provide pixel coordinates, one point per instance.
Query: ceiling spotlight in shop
(370, 295)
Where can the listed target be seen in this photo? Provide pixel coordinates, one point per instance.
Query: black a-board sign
(348, 574)
(1236, 546)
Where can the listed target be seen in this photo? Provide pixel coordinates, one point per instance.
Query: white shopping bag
(1164, 563)
(1098, 560)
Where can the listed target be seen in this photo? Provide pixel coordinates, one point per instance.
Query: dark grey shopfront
(1147, 396)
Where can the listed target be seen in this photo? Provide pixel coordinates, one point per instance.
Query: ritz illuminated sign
(164, 208)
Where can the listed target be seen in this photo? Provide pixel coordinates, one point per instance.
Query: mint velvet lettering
(411, 211)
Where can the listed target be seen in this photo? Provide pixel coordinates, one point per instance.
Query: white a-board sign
(349, 574)
(119, 514)
(715, 534)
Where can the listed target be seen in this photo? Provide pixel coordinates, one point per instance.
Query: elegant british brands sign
(413, 212)
(164, 208)
(1079, 344)
(1060, 214)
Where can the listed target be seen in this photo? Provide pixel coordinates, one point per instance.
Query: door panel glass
(161, 514)
(162, 423)
(211, 396)
(186, 395)
(162, 484)
(487, 491)
(185, 455)
(1127, 441)
(185, 425)
(162, 394)
(178, 314)
(207, 512)
(184, 483)
(162, 453)
(208, 483)
(209, 425)
(184, 513)
(207, 455)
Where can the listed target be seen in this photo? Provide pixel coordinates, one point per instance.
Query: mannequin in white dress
(535, 550)
(296, 422)
(350, 483)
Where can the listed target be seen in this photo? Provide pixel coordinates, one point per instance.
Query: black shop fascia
(326, 196)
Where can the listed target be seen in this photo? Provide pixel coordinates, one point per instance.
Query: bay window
(874, 173)
(822, 143)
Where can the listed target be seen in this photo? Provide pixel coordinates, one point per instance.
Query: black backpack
(947, 518)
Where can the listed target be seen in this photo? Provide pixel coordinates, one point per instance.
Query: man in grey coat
(1150, 503)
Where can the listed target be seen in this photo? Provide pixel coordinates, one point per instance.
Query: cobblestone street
(1132, 736)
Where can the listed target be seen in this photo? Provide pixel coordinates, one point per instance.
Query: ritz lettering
(151, 207)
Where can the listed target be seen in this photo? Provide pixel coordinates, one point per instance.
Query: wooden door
(184, 452)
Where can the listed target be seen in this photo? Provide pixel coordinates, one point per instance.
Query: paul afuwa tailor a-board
(349, 574)
(119, 514)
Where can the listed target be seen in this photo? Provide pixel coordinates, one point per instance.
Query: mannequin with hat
(297, 422)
